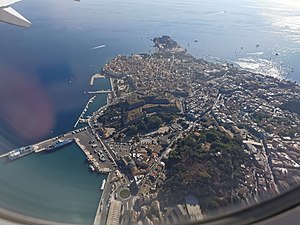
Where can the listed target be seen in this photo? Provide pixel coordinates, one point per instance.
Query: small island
(181, 137)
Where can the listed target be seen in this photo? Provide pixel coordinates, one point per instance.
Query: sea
(45, 72)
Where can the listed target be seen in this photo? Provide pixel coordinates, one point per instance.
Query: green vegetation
(112, 117)
(150, 123)
(125, 193)
(206, 164)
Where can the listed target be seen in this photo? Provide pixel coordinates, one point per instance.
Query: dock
(99, 92)
(91, 158)
(82, 138)
(85, 110)
(4, 155)
(97, 75)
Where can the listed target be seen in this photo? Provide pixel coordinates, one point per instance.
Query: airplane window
(148, 112)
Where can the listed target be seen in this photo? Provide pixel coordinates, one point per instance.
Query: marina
(84, 110)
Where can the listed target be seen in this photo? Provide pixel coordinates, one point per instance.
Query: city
(210, 134)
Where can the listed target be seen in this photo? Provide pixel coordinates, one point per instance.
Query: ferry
(58, 144)
(20, 152)
(103, 184)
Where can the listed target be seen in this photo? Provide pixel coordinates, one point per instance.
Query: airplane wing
(6, 3)
(9, 15)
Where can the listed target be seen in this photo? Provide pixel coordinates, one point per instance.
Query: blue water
(45, 70)
(56, 186)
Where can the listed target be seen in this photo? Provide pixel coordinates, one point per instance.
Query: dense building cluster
(167, 103)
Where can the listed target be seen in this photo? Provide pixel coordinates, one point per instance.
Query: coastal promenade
(102, 211)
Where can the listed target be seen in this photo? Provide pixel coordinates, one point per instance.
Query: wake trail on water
(97, 47)
(216, 13)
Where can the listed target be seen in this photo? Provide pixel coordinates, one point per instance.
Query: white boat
(103, 184)
(92, 168)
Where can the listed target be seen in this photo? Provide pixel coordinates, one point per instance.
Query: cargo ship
(58, 144)
(20, 152)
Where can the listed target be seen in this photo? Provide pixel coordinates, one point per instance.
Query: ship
(92, 168)
(103, 184)
(58, 144)
(20, 152)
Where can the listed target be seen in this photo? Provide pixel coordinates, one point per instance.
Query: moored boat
(103, 184)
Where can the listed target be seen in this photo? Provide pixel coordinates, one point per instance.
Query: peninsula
(181, 137)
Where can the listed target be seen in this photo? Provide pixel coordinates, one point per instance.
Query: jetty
(85, 110)
(99, 92)
(4, 155)
(97, 75)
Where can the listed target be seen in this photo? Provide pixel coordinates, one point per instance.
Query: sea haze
(45, 70)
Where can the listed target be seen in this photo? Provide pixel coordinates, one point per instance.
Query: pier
(4, 155)
(84, 110)
(99, 92)
(85, 138)
(97, 75)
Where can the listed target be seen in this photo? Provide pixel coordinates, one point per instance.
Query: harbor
(92, 146)
(95, 76)
(84, 110)
(60, 181)
(100, 158)
(93, 100)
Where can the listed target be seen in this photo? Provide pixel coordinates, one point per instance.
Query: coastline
(102, 171)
